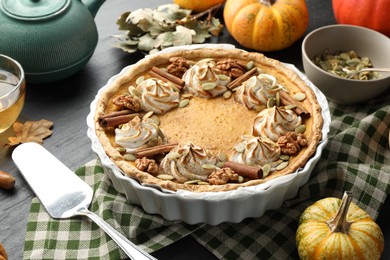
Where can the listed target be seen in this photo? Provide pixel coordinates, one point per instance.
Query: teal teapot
(51, 39)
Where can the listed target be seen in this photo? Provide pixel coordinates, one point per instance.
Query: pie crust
(230, 120)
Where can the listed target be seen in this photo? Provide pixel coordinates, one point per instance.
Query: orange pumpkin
(373, 14)
(197, 5)
(264, 25)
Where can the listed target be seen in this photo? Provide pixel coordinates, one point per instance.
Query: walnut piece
(3, 253)
(292, 143)
(232, 68)
(127, 102)
(178, 66)
(147, 165)
(222, 176)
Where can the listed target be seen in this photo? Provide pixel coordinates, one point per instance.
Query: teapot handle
(93, 5)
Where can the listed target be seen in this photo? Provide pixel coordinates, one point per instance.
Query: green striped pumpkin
(338, 229)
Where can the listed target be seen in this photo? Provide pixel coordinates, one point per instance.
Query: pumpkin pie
(208, 120)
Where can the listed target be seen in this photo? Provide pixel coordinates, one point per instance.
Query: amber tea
(12, 95)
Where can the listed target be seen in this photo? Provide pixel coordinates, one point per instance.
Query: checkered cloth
(357, 158)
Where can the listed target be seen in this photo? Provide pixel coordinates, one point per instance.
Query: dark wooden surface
(66, 103)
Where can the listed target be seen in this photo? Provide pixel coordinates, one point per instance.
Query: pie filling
(208, 120)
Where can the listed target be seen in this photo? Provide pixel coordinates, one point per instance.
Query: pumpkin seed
(192, 182)
(281, 166)
(300, 129)
(324, 66)
(173, 86)
(299, 96)
(259, 108)
(184, 103)
(227, 94)
(284, 157)
(220, 164)
(186, 96)
(147, 115)
(223, 77)
(173, 155)
(135, 92)
(208, 166)
(203, 183)
(222, 157)
(345, 56)
(250, 65)
(365, 61)
(153, 142)
(139, 80)
(121, 149)
(271, 102)
(290, 107)
(209, 85)
(130, 157)
(165, 177)
(277, 99)
(353, 62)
(266, 169)
(240, 179)
(154, 119)
(206, 60)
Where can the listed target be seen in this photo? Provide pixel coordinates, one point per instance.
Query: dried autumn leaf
(151, 30)
(30, 131)
(182, 36)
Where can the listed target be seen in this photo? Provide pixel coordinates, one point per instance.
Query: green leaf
(123, 25)
(156, 29)
(143, 18)
(182, 36)
(215, 27)
(126, 48)
(164, 40)
(146, 42)
(170, 13)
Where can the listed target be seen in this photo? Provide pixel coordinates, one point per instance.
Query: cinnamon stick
(159, 73)
(250, 172)
(155, 75)
(154, 150)
(116, 118)
(244, 77)
(286, 99)
(117, 113)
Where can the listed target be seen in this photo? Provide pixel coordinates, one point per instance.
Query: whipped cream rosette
(205, 80)
(275, 122)
(256, 150)
(138, 134)
(187, 162)
(256, 91)
(157, 96)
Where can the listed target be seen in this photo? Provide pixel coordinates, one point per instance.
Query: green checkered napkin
(357, 158)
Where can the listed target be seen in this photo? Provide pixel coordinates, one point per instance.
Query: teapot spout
(93, 5)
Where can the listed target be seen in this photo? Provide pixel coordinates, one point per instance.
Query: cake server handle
(126, 245)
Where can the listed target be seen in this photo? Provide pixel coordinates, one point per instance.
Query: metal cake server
(63, 193)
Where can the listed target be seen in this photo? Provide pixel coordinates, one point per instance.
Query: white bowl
(210, 207)
(365, 42)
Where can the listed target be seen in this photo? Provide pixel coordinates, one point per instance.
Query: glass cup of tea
(12, 91)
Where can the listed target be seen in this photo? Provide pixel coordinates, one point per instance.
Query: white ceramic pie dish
(210, 207)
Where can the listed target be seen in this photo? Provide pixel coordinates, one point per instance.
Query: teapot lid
(33, 9)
